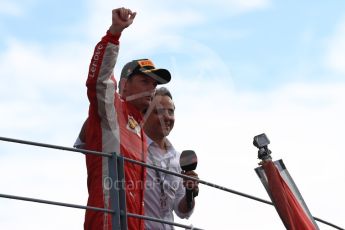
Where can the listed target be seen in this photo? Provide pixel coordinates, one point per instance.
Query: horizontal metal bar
(55, 203)
(328, 223)
(198, 180)
(162, 221)
(55, 146)
(91, 208)
(149, 166)
(218, 187)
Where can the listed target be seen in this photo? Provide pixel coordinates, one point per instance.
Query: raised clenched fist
(121, 19)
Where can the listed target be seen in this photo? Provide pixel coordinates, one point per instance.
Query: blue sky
(239, 69)
(285, 34)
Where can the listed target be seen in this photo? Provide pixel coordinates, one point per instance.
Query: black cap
(146, 67)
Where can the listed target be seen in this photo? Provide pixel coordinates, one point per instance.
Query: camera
(261, 141)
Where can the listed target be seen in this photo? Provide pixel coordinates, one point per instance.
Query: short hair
(163, 91)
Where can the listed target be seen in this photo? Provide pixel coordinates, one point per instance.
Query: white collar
(171, 152)
(149, 140)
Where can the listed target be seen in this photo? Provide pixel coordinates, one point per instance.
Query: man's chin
(166, 132)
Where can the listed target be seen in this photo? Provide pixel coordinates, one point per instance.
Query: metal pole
(92, 208)
(220, 187)
(145, 165)
(113, 192)
(122, 191)
(198, 180)
(55, 203)
(54, 146)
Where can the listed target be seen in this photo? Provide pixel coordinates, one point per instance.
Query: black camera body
(261, 142)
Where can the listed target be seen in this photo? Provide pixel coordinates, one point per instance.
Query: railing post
(114, 192)
(118, 192)
(122, 191)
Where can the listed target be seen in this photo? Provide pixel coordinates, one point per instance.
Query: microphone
(188, 162)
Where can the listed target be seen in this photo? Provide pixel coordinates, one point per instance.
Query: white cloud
(152, 20)
(155, 22)
(40, 87)
(43, 174)
(233, 6)
(10, 8)
(306, 134)
(42, 64)
(16, 8)
(335, 56)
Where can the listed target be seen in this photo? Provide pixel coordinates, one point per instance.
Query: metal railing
(118, 198)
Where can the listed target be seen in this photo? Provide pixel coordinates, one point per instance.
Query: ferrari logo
(133, 125)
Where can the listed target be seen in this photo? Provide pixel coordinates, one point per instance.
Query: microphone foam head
(188, 160)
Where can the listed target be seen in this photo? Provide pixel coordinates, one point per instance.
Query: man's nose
(167, 115)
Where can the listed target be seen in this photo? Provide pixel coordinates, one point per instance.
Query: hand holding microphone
(188, 163)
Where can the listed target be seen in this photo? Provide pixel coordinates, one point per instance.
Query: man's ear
(122, 86)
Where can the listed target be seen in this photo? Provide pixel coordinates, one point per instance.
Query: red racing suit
(113, 126)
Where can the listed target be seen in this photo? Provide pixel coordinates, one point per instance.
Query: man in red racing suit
(113, 123)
